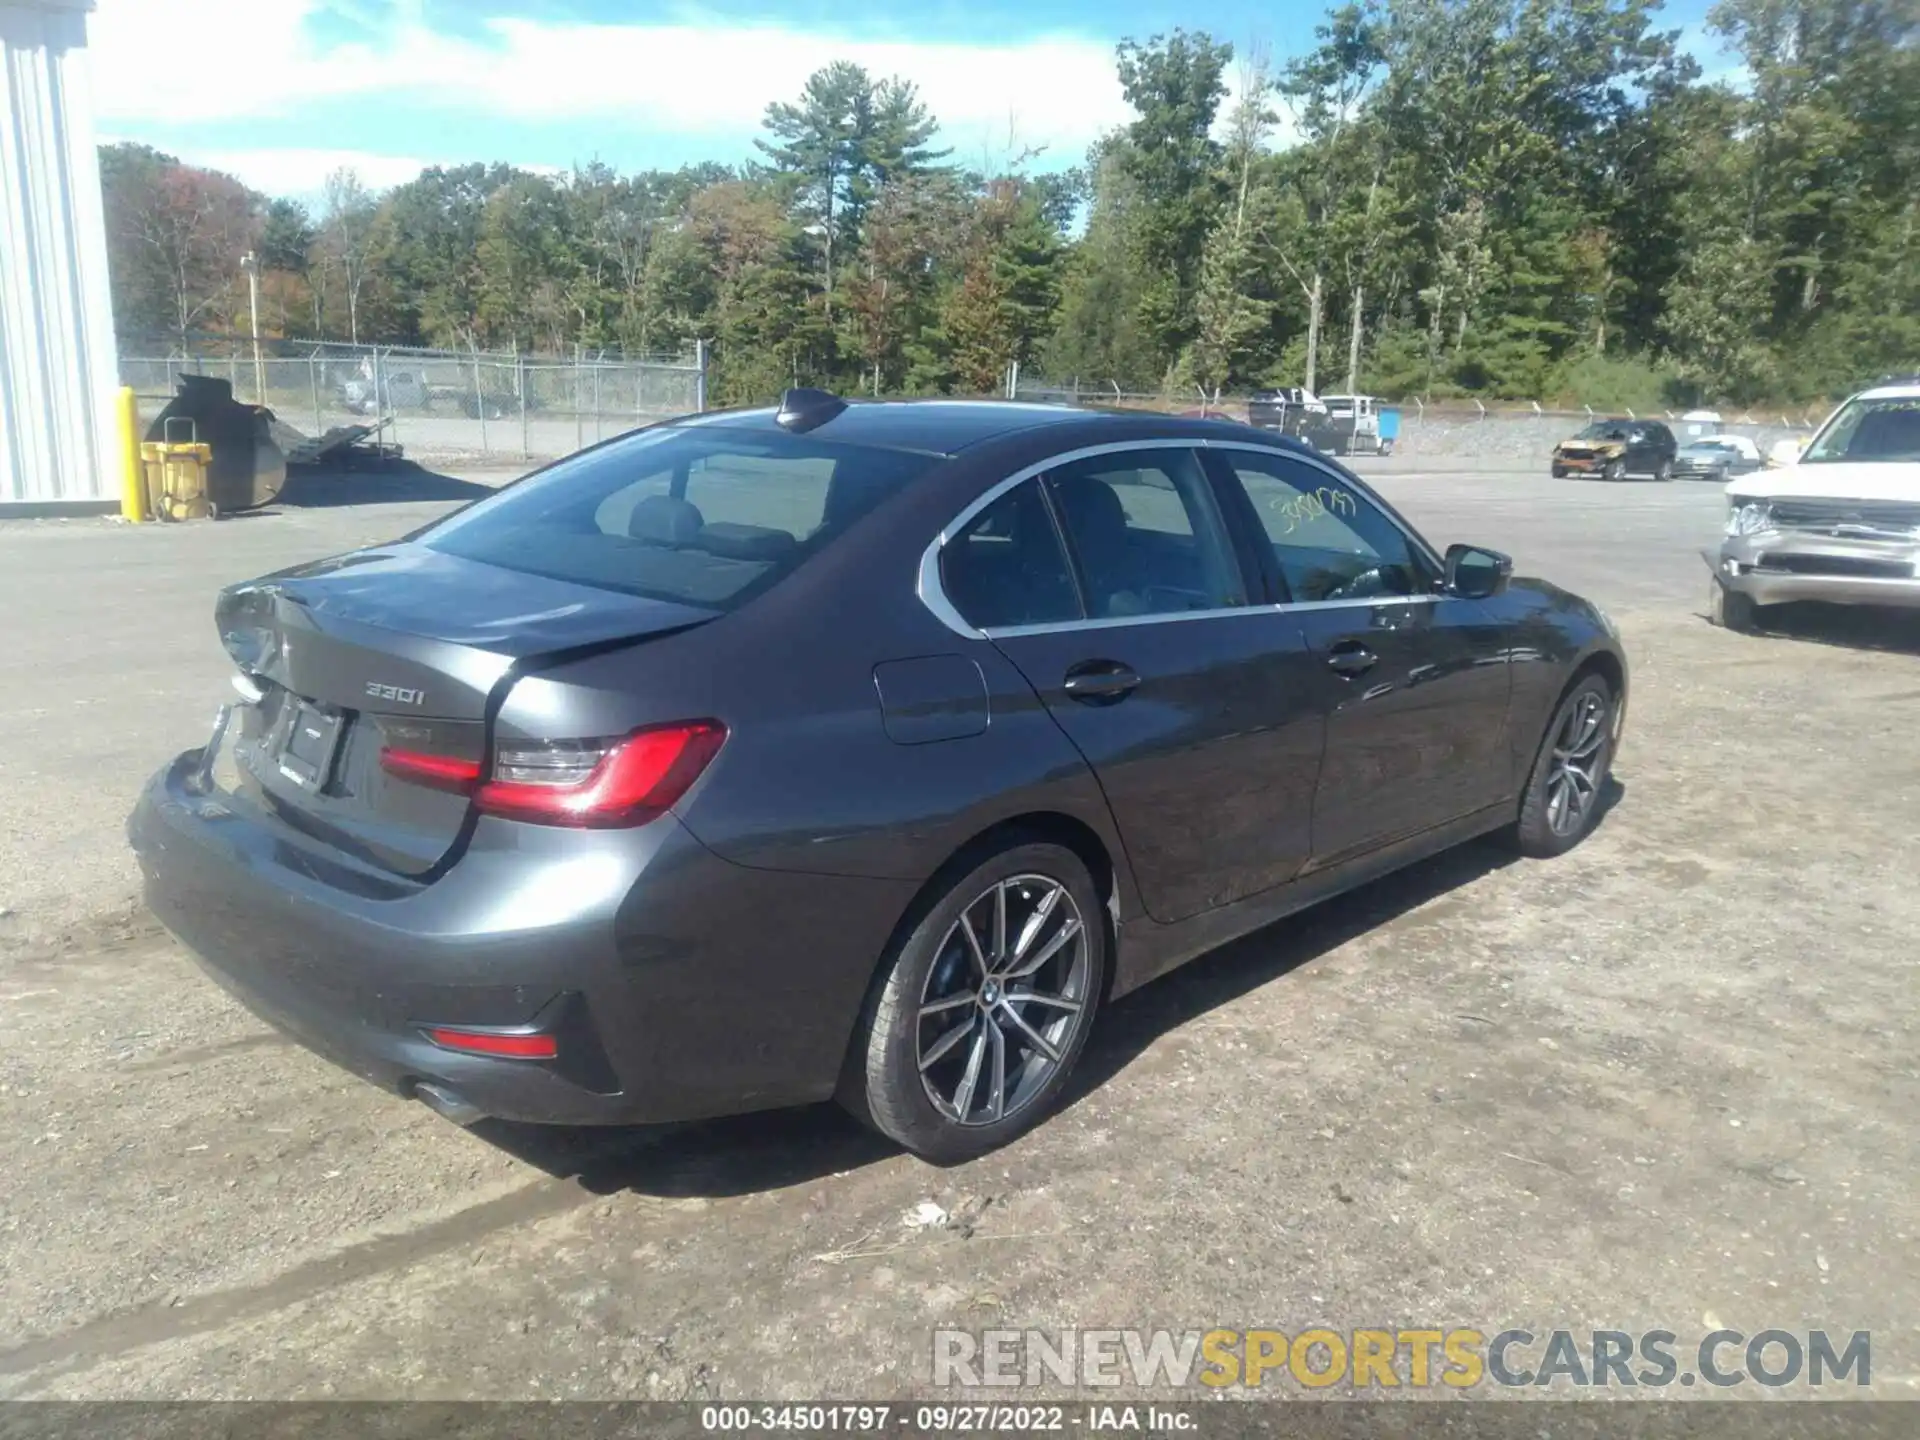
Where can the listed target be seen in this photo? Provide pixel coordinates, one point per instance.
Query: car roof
(1898, 390)
(940, 427)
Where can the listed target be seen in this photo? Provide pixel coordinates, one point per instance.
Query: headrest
(745, 542)
(1093, 510)
(663, 520)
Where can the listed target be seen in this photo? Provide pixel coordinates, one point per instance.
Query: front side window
(1869, 430)
(705, 516)
(1329, 541)
(1145, 534)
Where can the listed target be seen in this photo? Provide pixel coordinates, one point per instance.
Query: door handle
(1351, 658)
(1100, 682)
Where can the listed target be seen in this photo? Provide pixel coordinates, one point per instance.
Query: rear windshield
(705, 516)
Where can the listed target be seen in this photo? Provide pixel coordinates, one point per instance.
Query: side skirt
(1148, 950)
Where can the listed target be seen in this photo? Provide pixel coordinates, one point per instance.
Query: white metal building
(57, 365)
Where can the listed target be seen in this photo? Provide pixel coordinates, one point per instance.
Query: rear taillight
(600, 783)
(586, 783)
(436, 772)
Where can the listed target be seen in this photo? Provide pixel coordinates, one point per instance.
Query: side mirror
(1474, 573)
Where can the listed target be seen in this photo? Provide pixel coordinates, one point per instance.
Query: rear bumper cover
(680, 984)
(1752, 565)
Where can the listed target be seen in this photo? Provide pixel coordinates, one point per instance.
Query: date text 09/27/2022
(961, 1419)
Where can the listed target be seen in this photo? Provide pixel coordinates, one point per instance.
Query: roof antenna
(804, 410)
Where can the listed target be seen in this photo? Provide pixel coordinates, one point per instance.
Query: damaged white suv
(1841, 524)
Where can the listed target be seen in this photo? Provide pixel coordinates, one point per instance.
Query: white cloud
(304, 172)
(705, 78)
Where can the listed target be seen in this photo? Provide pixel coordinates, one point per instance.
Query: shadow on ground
(771, 1151)
(1854, 627)
(319, 487)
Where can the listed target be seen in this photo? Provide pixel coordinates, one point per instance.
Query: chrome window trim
(1111, 621)
(935, 598)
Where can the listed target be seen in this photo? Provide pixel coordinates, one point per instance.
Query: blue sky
(283, 91)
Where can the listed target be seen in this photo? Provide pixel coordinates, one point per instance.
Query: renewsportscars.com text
(1387, 1359)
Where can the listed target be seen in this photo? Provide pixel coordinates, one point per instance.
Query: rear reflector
(436, 772)
(492, 1042)
(601, 784)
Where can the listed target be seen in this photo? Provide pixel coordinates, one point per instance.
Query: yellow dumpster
(176, 475)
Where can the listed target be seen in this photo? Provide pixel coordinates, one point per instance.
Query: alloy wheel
(1003, 1001)
(1574, 772)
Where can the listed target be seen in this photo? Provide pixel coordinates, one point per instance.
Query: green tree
(1175, 84)
(523, 260)
(1715, 310)
(891, 292)
(424, 247)
(130, 177)
(1327, 89)
(286, 237)
(1100, 337)
(345, 240)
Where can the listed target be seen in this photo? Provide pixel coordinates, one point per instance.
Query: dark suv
(1613, 449)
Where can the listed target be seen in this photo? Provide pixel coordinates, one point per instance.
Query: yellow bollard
(133, 479)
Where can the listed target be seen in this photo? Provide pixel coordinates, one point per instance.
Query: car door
(1666, 447)
(1113, 585)
(1639, 457)
(1416, 683)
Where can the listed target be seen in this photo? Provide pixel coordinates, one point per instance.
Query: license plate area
(308, 744)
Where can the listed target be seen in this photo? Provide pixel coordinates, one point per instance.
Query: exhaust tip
(447, 1103)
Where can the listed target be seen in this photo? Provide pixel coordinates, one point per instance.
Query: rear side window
(1145, 534)
(705, 516)
(1007, 568)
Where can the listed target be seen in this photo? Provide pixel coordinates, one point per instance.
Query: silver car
(1717, 458)
(1840, 524)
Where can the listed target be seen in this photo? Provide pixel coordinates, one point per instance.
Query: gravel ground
(1664, 1082)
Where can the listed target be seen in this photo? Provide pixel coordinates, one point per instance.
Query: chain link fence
(477, 405)
(1507, 433)
(447, 404)
(1514, 436)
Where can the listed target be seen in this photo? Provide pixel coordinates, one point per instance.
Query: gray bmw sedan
(856, 750)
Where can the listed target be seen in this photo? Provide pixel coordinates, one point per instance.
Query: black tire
(882, 1084)
(1559, 472)
(1731, 610)
(1542, 829)
(1664, 471)
(1615, 470)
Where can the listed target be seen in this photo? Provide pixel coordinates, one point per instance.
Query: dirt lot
(1666, 1082)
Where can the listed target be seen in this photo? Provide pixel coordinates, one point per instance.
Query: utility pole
(250, 263)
